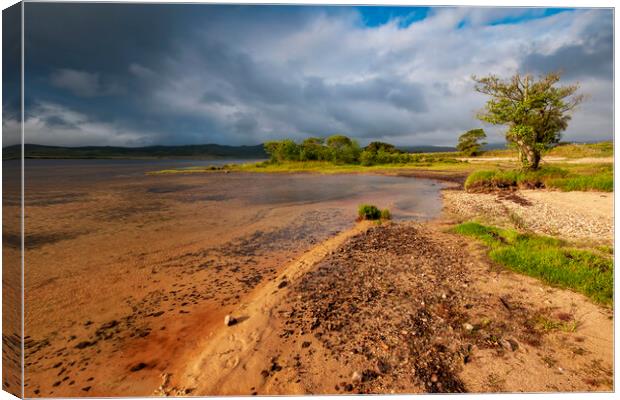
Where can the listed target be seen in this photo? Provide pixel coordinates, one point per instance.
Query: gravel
(571, 215)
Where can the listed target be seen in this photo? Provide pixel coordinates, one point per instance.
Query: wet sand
(127, 274)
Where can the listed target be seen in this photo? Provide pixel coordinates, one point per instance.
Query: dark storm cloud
(136, 74)
(593, 57)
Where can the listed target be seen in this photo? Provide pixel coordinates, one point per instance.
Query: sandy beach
(323, 304)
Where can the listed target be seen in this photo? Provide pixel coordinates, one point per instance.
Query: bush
(386, 214)
(368, 212)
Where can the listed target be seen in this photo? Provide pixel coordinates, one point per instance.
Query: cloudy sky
(133, 75)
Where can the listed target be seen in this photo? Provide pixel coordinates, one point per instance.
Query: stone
(434, 378)
(229, 320)
(356, 377)
(138, 367)
(468, 327)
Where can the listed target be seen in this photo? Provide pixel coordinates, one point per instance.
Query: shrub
(386, 214)
(368, 212)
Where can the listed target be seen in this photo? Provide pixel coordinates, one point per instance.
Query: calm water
(406, 197)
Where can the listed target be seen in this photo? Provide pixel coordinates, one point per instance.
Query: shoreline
(264, 356)
(285, 334)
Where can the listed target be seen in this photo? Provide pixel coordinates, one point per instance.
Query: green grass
(571, 150)
(324, 167)
(575, 178)
(546, 258)
(567, 150)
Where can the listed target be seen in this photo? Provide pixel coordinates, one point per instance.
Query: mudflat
(128, 274)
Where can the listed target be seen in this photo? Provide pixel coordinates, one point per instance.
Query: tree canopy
(470, 142)
(535, 111)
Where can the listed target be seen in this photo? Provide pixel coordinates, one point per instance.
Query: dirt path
(404, 308)
(583, 160)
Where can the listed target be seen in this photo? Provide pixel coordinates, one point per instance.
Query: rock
(383, 366)
(348, 387)
(85, 344)
(229, 320)
(138, 367)
(282, 284)
(356, 377)
(514, 345)
(434, 378)
(468, 327)
(305, 344)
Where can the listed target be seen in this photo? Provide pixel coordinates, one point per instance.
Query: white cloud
(53, 124)
(247, 75)
(331, 74)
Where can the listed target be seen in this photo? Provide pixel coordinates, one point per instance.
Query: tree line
(340, 149)
(536, 111)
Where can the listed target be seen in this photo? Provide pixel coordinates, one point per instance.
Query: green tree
(386, 147)
(283, 150)
(536, 111)
(343, 149)
(312, 149)
(470, 142)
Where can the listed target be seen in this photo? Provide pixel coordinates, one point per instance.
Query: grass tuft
(372, 213)
(549, 259)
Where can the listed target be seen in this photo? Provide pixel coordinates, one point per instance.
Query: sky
(173, 74)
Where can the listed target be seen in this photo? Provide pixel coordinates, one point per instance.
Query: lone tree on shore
(536, 111)
(470, 142)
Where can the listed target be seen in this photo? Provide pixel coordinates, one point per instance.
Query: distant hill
(201, 151)
(495, 146)
(426, 149)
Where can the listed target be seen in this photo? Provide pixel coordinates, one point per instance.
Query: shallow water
(107, 244)
(406, 197)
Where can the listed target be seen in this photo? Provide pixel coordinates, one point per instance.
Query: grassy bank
(325, 167)
(549, 259)
(593, 177)
(568, 150)
(485, 173)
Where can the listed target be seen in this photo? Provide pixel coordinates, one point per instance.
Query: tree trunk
(533, 159)
(530, 157)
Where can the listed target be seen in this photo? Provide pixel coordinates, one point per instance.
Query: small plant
(368, 212)
(372, 213)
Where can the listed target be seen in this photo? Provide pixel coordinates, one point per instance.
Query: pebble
(229, 320)
(468, 327)
(356, 377)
